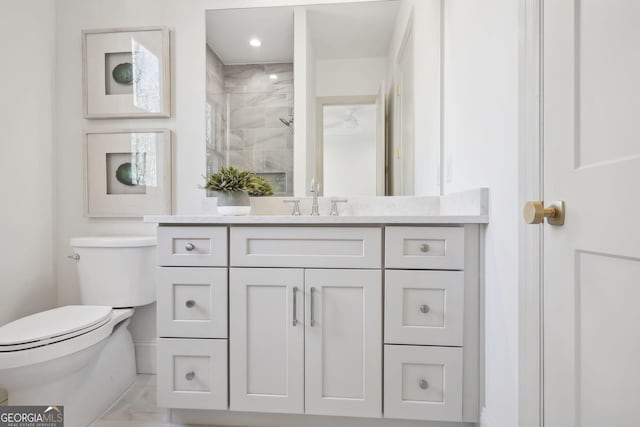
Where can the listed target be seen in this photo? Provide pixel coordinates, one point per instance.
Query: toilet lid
(52, 323)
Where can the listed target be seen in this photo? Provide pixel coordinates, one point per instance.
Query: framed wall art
(126, 73)
(128, 173)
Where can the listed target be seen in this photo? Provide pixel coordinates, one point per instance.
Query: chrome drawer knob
(424, 309)
(189, 247)
(190, 375)
(423, 384)
(424, 248)
(190, 303)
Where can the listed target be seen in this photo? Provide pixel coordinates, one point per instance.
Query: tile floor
(136, 408)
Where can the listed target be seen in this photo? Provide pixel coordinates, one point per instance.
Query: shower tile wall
(216, 112)
(244, 107)
(259, 141)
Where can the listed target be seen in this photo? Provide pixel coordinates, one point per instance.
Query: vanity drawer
(192, 302)
(192, 246)
(316, 247)
(423, 382)
(424, 307)
(192, 373)
(437, 248)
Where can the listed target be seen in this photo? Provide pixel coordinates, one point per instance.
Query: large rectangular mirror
(326, 92)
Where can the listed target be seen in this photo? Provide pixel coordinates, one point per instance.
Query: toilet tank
(116, 271)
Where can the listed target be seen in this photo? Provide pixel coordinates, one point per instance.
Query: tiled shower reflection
(250, 120)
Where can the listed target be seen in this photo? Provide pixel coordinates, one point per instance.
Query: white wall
(481, 144)
(350, 77)
(427, 63)
(27, 279)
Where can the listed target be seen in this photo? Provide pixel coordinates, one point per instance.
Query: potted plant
(260, 186)
(233, 188)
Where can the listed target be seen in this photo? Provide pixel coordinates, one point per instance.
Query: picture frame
(128, 173)
(126, 73)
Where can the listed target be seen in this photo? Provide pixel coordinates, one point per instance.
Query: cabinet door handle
(313, 320)
(423, 384)
(424, 248)
(189, 247)
(190, 303)
(295, 309)
(190, 375)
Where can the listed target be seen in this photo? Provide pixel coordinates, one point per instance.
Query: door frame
(531, 180)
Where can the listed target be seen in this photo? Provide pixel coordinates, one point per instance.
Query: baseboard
(145, 356)
(184, 417)
(485, 420)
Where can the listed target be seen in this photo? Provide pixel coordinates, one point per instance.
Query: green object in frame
(125, 174)
(123, 73)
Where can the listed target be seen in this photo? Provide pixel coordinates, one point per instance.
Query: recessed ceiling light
(255, 42)
(273, 76)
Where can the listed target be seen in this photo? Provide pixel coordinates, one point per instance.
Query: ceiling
(347, 30)
(229, 32)
(352, 30)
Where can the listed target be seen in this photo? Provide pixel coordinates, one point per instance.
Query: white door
(266, 340)
(592, 263)
(343, 342)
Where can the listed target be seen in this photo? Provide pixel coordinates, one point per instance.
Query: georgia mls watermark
(31, 416)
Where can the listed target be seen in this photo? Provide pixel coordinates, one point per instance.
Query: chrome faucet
(315, 188)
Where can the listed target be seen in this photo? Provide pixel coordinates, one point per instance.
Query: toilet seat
(16, 355)
(52, 326)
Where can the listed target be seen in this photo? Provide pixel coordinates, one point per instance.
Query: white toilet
(82, 356)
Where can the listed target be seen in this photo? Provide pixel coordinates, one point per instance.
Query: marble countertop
(468, 207)
(316, 220)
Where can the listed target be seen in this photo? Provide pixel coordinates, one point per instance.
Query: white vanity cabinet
(371, 320)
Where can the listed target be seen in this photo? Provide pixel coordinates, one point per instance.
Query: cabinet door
(266, 340)
(343, 342)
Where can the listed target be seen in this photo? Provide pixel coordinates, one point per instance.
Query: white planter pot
(233, 203)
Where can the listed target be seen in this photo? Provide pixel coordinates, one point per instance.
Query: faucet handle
(296, 206)
(334, 206)
(315, 186)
